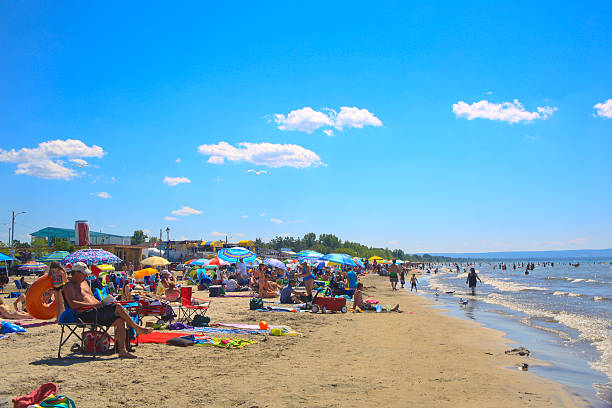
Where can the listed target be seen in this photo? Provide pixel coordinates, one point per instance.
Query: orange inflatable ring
(34, 303)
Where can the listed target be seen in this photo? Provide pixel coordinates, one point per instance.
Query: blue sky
(452, 126)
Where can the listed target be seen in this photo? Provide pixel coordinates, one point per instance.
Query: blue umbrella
(232, 255)
(359, 263)
(342, 259)
(308, 255)
(275, 263)
(6, 258)
(200, 262)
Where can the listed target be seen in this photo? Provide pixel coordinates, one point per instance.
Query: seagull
(463, 301)
(257, 173)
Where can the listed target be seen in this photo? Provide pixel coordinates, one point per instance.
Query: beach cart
(328, 303)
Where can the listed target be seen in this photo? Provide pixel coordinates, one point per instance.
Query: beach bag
(256, 303)
(57, 401)
(200, 321)
(101, 340)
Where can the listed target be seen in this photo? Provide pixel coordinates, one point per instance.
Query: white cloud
(305, 120)
(217, 234)
(245, 216)
(262, 154)
(604, 109)
(240, 234)
(103, 194)
(308, 120)
(511, 112)
(169, 218)
(276, 220)
(489, 92)
(173, 181)
(578, 241)
(178, 160)
(186, 211)
(263, 214)
(355, 118)
(79, 162)
(45, 161)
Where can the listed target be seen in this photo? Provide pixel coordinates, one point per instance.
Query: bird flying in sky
(257, 173)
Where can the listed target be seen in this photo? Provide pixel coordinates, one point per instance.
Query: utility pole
(168, 243)
(13, 227)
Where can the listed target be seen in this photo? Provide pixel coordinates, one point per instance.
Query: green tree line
(329, 243)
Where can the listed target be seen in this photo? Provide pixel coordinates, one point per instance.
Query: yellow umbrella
(375, 258)
(144, 272)
(155, 261)
(106, 267)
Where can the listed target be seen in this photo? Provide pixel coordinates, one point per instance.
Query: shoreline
(394, 359)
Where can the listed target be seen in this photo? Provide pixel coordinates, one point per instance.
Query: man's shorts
(106, 315)
(392, 279)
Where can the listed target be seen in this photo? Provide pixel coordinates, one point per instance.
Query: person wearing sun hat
(80, 298)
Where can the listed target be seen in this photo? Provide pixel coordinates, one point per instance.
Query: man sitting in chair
(80, 298)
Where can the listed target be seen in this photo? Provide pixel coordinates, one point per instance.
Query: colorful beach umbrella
(91, 257)
(32, 265)
(359, 262)
(307, 255)
(55, 256)
(342, 259)
(232, 255)
(217, 262)
(275, 263)
(375, 258)
(144, 272)
(155, 261)
(198, 262)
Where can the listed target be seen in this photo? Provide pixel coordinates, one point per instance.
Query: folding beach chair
(80, 329)
(187, 311)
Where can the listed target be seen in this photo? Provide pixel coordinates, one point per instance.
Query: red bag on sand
(36, 396)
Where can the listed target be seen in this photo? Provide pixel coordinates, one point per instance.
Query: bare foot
(127, 355)
(144, 330)
(395, 308)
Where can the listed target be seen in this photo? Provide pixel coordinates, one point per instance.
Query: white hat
(81, 267)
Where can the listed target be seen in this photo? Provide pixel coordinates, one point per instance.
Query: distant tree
(138, 237)
(63, 245)
(153, 240)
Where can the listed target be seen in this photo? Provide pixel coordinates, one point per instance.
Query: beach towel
(158, 337)
(57, 401)
(35, 397)
(8, 327)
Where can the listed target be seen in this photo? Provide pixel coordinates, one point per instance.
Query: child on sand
(58, 276)
(359, 304)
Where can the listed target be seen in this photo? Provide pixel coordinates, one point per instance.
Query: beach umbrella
(359, 262)
(342, 259)
(144, 272)
(106, 267)
(232, 255)
(155, 261)
(375, 258)
(217, 262)
(91, 257)
(399, 261)
(307, 255)
(55, 256)
(4, 257)
(198, 262)
(275, 263)
(32, 266)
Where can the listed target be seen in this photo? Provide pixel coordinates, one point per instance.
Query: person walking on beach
(413, 283)
(471, 280)
(402, 276)
(393, 272)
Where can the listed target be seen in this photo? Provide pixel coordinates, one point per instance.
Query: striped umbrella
(91, 257)
(155, 261)
(217, 262)
(32, 265)
(308, 255)
(198, 262)
(55, 256)
(342, 259)
(232, 255)
(359, 262)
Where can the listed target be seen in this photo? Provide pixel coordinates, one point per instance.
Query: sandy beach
(416, 358)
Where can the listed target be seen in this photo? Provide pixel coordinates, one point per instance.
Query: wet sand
(422, 359)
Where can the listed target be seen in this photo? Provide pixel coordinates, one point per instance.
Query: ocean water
(564, 313)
